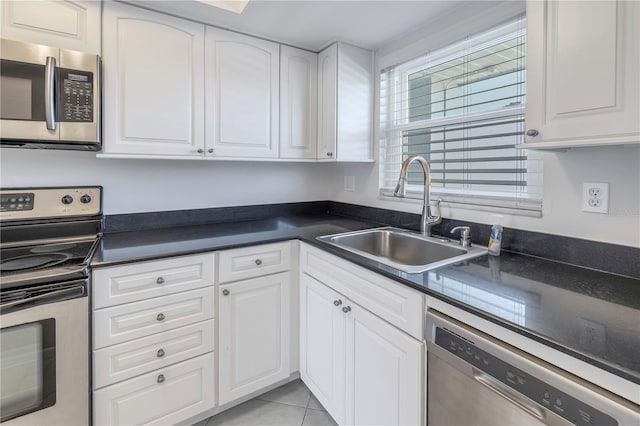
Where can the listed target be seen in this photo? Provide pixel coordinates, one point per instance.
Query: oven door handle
(43, 299)
(49, 92)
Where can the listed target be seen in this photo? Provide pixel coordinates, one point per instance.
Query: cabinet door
(298, 103)
(153, 83)
(242, 95)
(322, 344)
(385, 372)
(327, 102)
(582, 71)
(254, 335)
(67, 24)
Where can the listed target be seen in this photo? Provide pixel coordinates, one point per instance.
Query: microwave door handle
(49, 92)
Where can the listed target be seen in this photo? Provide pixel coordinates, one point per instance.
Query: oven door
(28, 87)
(44, 357)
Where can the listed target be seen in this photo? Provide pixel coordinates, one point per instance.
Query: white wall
(155, 185)
(564, 174)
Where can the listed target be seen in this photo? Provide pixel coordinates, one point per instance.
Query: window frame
(397, 121)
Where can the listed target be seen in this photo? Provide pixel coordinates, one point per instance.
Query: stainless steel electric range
(47, 238)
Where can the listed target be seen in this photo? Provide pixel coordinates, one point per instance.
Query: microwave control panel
(76, 97)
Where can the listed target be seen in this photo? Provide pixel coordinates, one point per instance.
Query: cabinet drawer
(248, 262)
(391, 301)
(165, 396)
(134, 320)
(126, 360)
(143, 280)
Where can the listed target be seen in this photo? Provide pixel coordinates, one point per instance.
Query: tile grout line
(306, 409)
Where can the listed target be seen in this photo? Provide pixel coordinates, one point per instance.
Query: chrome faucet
(427, 220)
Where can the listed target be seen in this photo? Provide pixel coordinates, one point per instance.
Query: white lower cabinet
(153, 356)
(322, 345)
(254, 335)
(162, 397)
(362, 369)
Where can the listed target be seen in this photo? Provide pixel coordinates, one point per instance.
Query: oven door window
(22, 88)
(28, 367)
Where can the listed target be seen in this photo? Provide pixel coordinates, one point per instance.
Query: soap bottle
(495, 240)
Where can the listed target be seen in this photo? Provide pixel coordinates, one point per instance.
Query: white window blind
(462, 109)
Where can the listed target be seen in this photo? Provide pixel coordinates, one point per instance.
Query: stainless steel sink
(404, 250)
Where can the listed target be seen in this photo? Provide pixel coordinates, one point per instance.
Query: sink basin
(403, 250)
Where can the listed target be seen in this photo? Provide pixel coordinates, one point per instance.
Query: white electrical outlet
(595, 197)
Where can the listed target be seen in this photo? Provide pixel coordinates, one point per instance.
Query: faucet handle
(465, 235)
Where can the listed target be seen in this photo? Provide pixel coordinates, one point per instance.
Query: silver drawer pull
(337, 302)
(160, 280)
(225, 292)
(160, 378)
(160, 317)
(329, 154)
(160, 353)
(346, 309)
(532, 132)
(258, 262)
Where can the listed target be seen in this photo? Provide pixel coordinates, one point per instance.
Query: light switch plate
(350, 183)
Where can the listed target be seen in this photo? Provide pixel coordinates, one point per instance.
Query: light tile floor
(291, 404)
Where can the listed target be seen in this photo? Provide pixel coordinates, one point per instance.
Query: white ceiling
(314, 24)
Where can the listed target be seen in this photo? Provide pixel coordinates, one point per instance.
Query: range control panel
(547, 396)
(40, 203)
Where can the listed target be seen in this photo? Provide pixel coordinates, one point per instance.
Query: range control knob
(67, 199)
(85, 199)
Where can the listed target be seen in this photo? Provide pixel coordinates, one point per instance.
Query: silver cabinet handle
(160, 280)
(160, 378)
(200, 150)
(346, 309)
(329, 154)
(225, 292)
(337, 302)
(160, 353)
(532, 132)
(160, 317)
(49, 92)
(210, 150)
(258, 262)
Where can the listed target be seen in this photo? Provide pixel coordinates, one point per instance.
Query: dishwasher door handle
(502, 390)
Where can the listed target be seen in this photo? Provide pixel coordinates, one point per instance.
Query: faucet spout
(427, 220)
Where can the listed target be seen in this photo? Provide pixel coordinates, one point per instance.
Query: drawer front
(166, 396)
(126, 360)
(144, 280)
(391, 301)
(121, 323)
(249, 262)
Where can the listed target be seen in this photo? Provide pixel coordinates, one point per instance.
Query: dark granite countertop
(591, 315)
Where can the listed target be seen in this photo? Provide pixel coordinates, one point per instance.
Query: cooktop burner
(40, 257)
(32, 261)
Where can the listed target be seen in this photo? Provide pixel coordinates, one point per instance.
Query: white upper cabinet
(242, 93)
(345, 103)
(582, 73)
(71, 25)
(298, 103)
(153, 83)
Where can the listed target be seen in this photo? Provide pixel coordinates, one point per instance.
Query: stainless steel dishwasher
(474, 379)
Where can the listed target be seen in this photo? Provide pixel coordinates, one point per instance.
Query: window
(462, 109)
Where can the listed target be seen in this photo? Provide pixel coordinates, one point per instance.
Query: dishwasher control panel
(545, 395)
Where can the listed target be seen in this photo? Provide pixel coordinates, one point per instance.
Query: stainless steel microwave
(49, 97)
